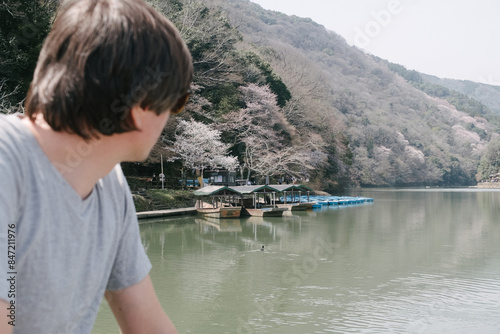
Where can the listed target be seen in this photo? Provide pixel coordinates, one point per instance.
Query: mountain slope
(320, 109)
(489, 95)
(397, 134)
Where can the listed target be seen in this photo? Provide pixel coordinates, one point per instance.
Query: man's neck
(81, 163)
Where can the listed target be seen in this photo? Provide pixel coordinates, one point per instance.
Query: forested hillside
(280, 95)
(398, 135)
(489, 95)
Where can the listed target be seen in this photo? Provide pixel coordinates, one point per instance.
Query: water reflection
(209, 225)
(412, 262)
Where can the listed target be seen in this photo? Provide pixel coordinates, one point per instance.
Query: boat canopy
(254, 189)
(215, 191)
(249, 189)
(291, 187)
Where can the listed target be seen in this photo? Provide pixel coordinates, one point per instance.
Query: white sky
(457, 39)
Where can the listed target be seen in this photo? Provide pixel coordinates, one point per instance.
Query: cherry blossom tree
(265, 152)
(199, 146)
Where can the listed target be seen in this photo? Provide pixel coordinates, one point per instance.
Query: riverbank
(166, 199)
(151, 203)
(488, 185)
(148, 200)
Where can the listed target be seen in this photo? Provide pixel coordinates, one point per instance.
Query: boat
(219, 212)
(263, 212)
(223, 202)
(252, 200)
(294, 206)
(258, 201)
(336, 200)
(292, 197)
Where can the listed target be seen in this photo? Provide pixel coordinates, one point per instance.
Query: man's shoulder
(116, 196)
(115, 178)
(8, 122)
(115, 185)
(13, 137)
(13, 164)
(12, 129)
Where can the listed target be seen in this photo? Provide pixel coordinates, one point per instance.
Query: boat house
(220, 177)
(254, 200)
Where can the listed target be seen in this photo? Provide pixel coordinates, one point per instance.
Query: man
(108, 76)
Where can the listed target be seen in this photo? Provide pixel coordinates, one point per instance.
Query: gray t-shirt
(68, 251)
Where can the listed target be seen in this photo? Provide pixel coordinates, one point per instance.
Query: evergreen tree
(24, 24)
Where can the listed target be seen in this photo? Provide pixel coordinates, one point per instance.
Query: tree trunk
(248, 175)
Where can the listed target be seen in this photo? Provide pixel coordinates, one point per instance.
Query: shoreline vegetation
(488, 185)
(165, 199)
(150, 197)
(158, 199)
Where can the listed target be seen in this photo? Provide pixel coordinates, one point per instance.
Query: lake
(414, 261)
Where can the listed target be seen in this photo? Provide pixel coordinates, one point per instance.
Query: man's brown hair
(101, 58)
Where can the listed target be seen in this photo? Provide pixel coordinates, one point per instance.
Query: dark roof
(253, 189)
(214, 191)
(290, 187)
(249, 189)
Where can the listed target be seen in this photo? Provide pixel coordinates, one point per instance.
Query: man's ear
(135, 117)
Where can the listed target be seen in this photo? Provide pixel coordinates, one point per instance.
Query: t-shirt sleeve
(131, 264)
(10, 192)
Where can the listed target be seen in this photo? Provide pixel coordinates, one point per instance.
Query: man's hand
(5, 328)
(138, 310)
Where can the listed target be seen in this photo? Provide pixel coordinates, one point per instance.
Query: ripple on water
(421, 303)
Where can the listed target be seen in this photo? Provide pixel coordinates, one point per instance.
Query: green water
(414, 261)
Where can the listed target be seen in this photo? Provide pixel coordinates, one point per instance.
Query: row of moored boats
(264, 201)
